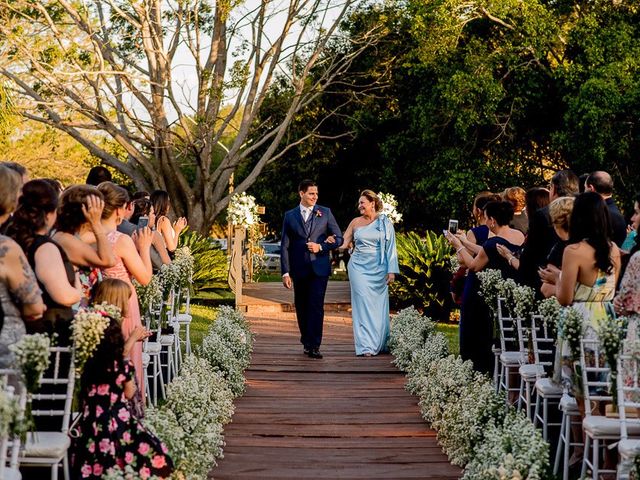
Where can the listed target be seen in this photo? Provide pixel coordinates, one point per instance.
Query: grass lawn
(203, 316)
(450, 330)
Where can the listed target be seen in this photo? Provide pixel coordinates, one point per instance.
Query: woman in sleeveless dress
(129, 263)
(479, 322)
(30, 227)
(472, 303)
(80, 233)
(372, 266)
(590, 267)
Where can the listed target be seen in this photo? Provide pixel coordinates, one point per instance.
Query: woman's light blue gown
(374, 255)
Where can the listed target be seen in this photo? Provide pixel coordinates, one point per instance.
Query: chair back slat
(509, 341)
(595, 373)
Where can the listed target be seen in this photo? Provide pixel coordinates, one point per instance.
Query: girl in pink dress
(132, 261)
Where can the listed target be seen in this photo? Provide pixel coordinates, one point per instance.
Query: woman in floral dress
(627, 301)
(110, 439)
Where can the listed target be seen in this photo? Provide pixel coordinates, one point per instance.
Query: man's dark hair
(582, 180)
(565, 183)
(97, 175)
(601, 182)
(16, 167)
(304, 185)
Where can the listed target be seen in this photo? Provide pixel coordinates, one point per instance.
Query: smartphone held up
(453, 227)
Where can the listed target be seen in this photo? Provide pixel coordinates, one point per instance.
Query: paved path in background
(342, 417)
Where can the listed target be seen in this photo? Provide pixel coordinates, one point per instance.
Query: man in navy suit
(305, 262)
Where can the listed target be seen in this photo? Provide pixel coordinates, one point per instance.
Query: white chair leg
(585, 456)
(188, 338)
(567, 447)
(596, 458)
(559, 447)
(545, 418)
(65, 466)
(54, 472)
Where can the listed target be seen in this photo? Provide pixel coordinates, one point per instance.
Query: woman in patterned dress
(132, 261)
(627, 301)
(110, 439)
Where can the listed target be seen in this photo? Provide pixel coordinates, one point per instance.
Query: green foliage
(210, 266)
(424, 277)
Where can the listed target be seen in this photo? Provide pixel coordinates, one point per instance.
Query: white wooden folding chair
(510, 355)
(50, 448)
(10, 443)
(628, 385)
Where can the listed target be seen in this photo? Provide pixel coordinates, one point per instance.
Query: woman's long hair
(38, 199)
(590, 222)
(161, 203)
(99, 367)
(70, 216)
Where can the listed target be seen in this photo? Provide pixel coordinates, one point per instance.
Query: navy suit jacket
(295, 258)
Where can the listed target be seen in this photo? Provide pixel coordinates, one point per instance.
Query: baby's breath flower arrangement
(409, 331)
(513, 449)
(434, 349)
(9, 414)
(390, 207)
(524, 299)
(571, 330)
(87, 331)
(243, 210)
(184, 263)
(454, 263)
(150, 296)
(31, 354)
(611, 333)
(550, 310)
(490, 286)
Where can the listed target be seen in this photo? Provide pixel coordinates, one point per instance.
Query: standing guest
(517, 197)
(372, 267)
(305, 262)
(20, 298)
(132, 261)
(627, 301)
(126, 225)
(582, 182)
(80, 233)
(29, 227)
(560, 211)
(591, 262)
(535, 198)
(97, 175)
(19, 169)
(170, 232)
(140, 194)
(159, 254)
(498, 214)
(56, 184)
(110, 435)
(602, 183)
(542, 237)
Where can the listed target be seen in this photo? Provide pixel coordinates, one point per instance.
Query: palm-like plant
(424, 275)
(210, 262)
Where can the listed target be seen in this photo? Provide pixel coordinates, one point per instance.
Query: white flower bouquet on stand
(390, 207)
(32, 359)
(87, 331)
(243, 210)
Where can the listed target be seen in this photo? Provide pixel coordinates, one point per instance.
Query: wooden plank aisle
(341, 417)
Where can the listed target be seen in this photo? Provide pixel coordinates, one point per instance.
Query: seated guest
(602, 183)
(20, 298)
(107, 387)
(29, 227)
(80, 233)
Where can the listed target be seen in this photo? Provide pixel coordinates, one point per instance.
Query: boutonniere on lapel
(318, 214)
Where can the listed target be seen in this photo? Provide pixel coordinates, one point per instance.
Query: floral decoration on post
(32, 359)
(390, 207)
(612, 332)
(243, 210)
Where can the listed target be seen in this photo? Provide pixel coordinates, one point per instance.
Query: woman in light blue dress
(373, 265)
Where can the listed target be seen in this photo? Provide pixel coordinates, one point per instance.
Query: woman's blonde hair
(10, 185)
(560, 212)
(372, 197)
(115, 292)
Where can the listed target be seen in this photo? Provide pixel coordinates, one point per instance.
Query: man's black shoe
(315, 353)
(306, 350)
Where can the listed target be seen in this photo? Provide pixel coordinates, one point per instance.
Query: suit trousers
(308, 292)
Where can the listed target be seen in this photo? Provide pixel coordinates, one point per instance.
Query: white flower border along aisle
(200, 400)
(474, 428)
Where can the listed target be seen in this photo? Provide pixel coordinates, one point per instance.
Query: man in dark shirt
(542, 237)
(602, 183)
